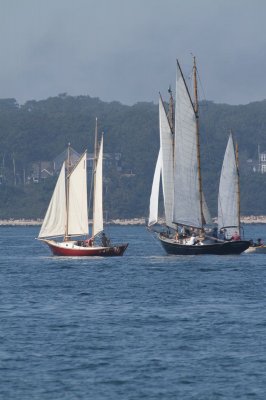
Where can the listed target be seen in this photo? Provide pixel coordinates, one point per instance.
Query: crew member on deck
(235, 236)
(88, 242)
(221, 234)
(260, 242)
(215, 232)
(105, 240)
(176, 236)
(185, 231)
(192, 240)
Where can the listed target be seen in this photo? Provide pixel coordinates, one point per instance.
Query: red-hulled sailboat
(67, 214)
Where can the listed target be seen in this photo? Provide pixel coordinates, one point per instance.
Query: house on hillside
(41, 170)
(258, 165)
(262, 162)
(109, 160)
(45, 169)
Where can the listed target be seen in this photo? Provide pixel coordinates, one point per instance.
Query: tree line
(40, 130)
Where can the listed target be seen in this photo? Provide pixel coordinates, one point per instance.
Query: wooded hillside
(40, 130)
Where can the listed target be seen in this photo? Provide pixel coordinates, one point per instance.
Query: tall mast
(67, 190)
(238, 186)
(259, 158)
(171, 113)
(94, 170)
(196, 108)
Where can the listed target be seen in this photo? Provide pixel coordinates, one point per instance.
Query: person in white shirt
(192, 240)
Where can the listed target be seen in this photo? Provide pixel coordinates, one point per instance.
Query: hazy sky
(125, 50)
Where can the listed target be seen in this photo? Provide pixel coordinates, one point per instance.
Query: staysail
(54, 223)
(187, 210)
(206, 212)
(166, 146)
(154, 199)
(98, 194)
(77, 202)
(228, 211)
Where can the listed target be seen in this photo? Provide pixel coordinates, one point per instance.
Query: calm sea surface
(143, 326)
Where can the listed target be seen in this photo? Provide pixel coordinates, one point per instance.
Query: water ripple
(143, 326)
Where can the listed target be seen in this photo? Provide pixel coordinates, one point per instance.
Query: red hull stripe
(90, 252)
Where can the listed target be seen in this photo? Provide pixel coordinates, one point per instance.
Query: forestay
(186, 180)
(54, 223)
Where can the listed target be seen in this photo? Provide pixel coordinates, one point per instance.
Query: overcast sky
(125, 50)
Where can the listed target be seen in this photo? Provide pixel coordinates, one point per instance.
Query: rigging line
(202, 88)
(201, 98)
(199, 79)
(209, 154)
(190, 76)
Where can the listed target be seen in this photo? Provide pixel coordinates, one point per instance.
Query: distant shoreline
(251, 219)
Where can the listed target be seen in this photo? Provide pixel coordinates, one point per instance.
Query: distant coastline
(251, 219)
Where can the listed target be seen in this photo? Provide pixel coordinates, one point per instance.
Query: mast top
(196, 105)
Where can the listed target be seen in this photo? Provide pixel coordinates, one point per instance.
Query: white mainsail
(154, 199)
(166, 146)
(228, 214)
(98, 194)
(186, 180)
(54, 223)
(77, 200)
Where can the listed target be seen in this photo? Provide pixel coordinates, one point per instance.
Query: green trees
(40, 130)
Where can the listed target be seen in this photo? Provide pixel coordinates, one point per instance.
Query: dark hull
(112, 251)
(225, 248)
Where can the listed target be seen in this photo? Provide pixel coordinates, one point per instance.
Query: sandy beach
(38, 222)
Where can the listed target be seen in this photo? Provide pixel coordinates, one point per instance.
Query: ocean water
(143, 326)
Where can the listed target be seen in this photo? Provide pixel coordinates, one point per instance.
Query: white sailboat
(67, 214)
(229, 193)
(229, 198)
(184, 202)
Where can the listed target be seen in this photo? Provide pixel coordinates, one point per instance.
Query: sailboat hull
(71, 249)
(256, 249)
(225, 248)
